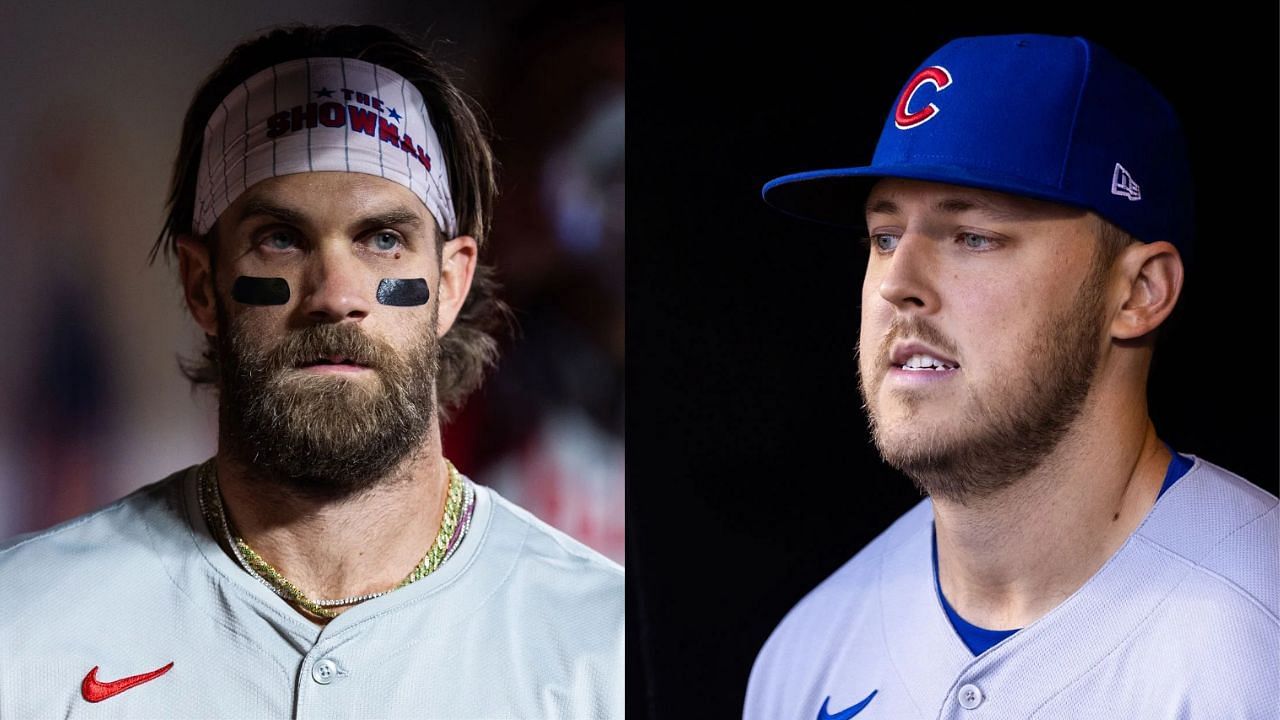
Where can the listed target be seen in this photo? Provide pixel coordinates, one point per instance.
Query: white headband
(318, 114)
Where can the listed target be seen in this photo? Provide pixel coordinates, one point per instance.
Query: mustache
(309, 344)
(917, 329)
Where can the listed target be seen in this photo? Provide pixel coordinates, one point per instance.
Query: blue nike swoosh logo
(847, 712)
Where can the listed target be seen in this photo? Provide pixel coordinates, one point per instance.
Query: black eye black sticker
(403, 292)
(260, 291)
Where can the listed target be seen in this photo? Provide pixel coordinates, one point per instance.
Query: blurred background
(94, 404)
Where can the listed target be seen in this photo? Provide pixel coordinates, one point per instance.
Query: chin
(905, 448)
(941, 462)
(960, 467)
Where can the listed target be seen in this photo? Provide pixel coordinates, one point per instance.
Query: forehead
(330, 198)
(893, 196)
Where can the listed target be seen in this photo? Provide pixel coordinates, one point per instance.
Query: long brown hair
(469, 348)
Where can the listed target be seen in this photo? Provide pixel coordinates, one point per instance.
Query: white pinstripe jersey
(521, 622)
(1182, 622)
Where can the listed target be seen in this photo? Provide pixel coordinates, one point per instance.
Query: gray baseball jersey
(1182, 622)
(521, 622)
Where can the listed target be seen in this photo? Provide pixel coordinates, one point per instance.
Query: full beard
(321, 436)
(1017, 426)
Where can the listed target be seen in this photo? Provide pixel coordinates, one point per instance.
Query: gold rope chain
(272, 577)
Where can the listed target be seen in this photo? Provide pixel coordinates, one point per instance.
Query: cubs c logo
(903, 118)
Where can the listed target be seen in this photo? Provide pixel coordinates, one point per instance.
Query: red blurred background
(94, 405)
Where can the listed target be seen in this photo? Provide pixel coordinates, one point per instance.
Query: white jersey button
(970, 696)
(324, 671)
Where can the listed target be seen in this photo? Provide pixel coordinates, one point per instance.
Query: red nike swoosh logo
(95, 691)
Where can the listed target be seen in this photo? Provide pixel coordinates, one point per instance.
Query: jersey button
(324, 671)
(969, 696)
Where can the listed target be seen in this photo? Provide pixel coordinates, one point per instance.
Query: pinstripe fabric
(244, 167)
(382, 166)
(275, 107)
(310, 163)
(346, 149)
(325, 114)
(222, 151)
(408, 165)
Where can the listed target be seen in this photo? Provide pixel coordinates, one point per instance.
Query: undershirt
(979, 639)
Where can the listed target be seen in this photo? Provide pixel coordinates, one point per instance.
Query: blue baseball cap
(1053, 118)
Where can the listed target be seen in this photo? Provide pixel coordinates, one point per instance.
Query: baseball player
(332, 193)
(1027, 210)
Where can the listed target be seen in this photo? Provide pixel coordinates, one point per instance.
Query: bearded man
(1027, 210)
(331, 197)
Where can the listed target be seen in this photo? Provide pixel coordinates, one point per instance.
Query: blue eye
(974, 241)
(278, 240)
(884, 242)
(385, 241)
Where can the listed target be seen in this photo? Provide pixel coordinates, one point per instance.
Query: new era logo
(1122, 184)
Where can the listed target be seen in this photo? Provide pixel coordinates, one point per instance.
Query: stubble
(1007, 431)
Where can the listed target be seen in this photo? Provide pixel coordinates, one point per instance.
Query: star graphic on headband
(394, 115)
(324, 92)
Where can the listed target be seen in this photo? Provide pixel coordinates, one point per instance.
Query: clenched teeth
(926, 362)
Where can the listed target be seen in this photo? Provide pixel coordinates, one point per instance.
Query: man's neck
(1006, 560)
(330, 549)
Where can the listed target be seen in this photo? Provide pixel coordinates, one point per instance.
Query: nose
(336, 285)
(906, 275)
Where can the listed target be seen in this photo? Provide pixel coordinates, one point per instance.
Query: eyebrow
(948, 205)
(401, 216)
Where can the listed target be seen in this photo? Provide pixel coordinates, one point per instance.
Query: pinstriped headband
(322, 114)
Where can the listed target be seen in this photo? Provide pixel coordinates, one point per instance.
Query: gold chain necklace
(215, 515)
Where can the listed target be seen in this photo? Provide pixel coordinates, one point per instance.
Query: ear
(197, 282)
(1152, 274)
(457, 268)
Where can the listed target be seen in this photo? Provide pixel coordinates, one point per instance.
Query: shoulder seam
(884, 632)
(1229, 583)
(1239, 483)
(533, 523)
(68, 525)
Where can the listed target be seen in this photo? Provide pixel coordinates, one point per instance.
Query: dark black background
(751, 476)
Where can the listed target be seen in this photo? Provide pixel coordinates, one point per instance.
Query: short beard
(1029, 417)
(323, 437)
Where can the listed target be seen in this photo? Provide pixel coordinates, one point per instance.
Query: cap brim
(838, 196)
